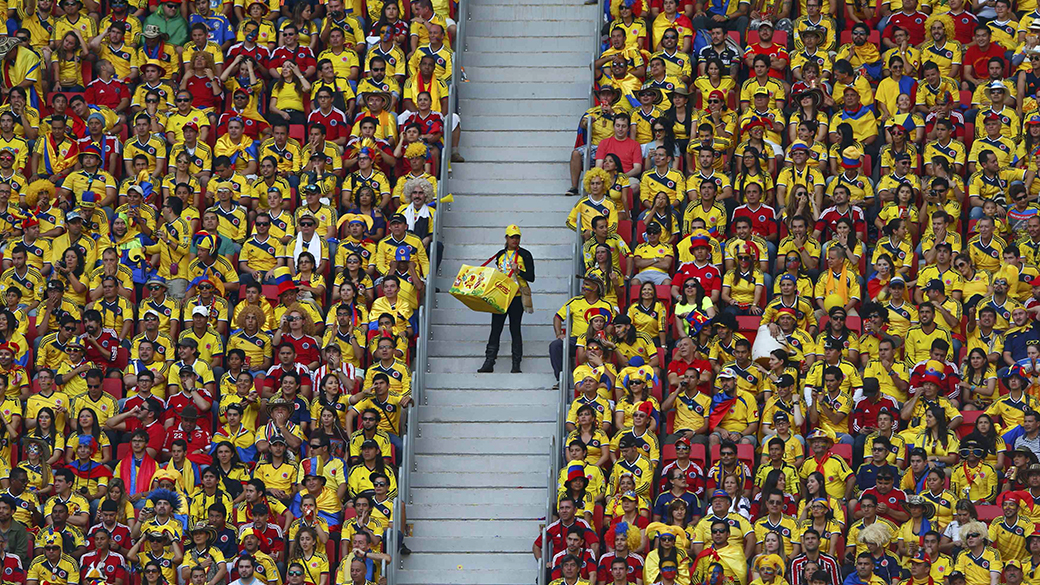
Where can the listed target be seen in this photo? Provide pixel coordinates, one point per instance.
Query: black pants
(515, 313)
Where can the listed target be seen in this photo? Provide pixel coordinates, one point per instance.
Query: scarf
(839, 284)
(314, 246)
(720, 407)
(867, 53)
(143, 481)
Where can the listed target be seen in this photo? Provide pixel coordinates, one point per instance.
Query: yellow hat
(583, 371)
(415, 150)
(512, 230)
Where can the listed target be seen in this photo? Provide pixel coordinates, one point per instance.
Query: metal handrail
(550, 505)
(410, 416)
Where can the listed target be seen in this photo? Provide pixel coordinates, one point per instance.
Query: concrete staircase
(479, 488)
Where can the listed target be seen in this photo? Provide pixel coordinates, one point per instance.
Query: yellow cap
(582, 372)
(512, 230)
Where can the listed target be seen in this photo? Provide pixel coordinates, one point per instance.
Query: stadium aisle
(472, 465)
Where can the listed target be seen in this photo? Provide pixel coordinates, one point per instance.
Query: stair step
(503, 510)
(425, 479)
(535, 397)
(469, 365)
(503, 153)
(455, 446)
(537, 204)
(513, 171)
(516, 412)
(478, 42)
(498, 218)
(559, 184)
(467, 235)
(568, 60)
(530, 28)
(522, 139)
(543, 75)
(579, 14)
(508, 543)
(470, 332)
(527, 89)
(471, 430)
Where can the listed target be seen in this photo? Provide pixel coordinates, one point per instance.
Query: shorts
(655, 276)
(581, 150)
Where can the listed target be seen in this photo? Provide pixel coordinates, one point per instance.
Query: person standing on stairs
(511, 258)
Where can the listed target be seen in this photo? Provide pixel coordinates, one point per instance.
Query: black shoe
(572, 192)
(488, 367)
(516, 368)
(404, 550)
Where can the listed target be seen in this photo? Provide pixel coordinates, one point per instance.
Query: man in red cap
(700, 268)
(1008, 533)
(691, 470)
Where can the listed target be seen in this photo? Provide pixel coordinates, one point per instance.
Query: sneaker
(573, 192)
(404, 550)
(456, 157)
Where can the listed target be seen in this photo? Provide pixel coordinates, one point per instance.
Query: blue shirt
(693, 506)
(1017, 341)
(219, 28)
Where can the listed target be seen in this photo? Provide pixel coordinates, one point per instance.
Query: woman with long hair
(86, 427)
(779, 364)
(800, 203)
(202, 80)
(714, 80)
(978, 382)
(896, 244)
(743, 289)
(366, 203)
(816, 488)
(233, 473)
(328, 422)
(588, 432)
(691, 299)
(939, 443)
(952, 537)
(331, 393)
(740, 504)
(307, 33)
(180, 173)
(808, 117)
(12, 332)
(66, 64)
(618, 187)
(977, 283)
(124, 508)
(297, 329)
(775, 481)
(899, 142)
(287, 97)
(903, 207)
(663, 136)
(46, 432)
(820, 517)
(69, 270)
(390, 16)
(35, 455)
(630, 343)
(649, 315)
(877, 285)
(941, 167)
(603, 268)
(772, 548)
(310, 285)
(360, 282)
(751, 173)
(304, 550)
(664, 214)
(682, 120)
(845, 234)
(846, 138)
(985, 434)
(675, 521)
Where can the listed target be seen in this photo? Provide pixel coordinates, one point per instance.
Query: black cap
(785, 381)
(833, 344)
(397, 218)
(780, 416)
(369, 444)
(653, 228)
(627, 441)
(54, 284)
(935, 284)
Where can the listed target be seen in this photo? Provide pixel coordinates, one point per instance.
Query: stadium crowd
(806, 345)
(215, 219)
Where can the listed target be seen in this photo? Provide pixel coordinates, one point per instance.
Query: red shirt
(557, 533)
(201, 89)
(301, 55)
(708, 275)
(979, 60)
(964, 27)
(111, 567)
(763, 219)
(866, 411)
(13, 570)
(273, 379)
(120, 535)
(829, 220)
(627, 150)
(198, 440)
(635, 567)
(106, 93)
(913, 24)
(251, 127)
(679, 367)
(306, 348)
(259, 53)
(773, 50)
(694, 478)
(108, 340)
(956, 117)
(335, 123)
(894, 500)
(177, 402)
(588, 564)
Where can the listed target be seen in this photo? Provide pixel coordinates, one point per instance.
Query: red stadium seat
(669, 422)
(745, 453)
(667, 454)
(113, 386)
(624, 231)
(844, 451)
(122, 451)
(988, 514)
(968, 422)
(969, 136)
(298, 132)
(698, 454)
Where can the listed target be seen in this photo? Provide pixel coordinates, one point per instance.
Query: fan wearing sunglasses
(980, 564)
(973, 478)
